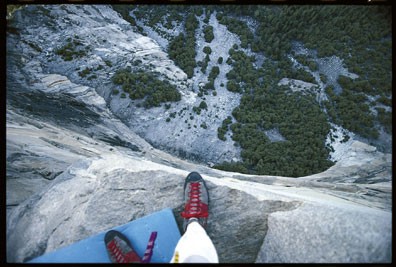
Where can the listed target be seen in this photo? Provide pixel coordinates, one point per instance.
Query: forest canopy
(361, 36)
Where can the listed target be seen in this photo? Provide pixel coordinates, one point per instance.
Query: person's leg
(195, 245)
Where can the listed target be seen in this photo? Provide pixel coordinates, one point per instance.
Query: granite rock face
(252, 218)
(99, 194)
(293, 236)
(109, 43)
(75, 169)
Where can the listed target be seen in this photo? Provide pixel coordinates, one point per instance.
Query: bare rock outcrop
(274, 219)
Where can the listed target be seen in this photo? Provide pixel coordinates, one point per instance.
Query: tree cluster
(364, 42)
(265, 106)
(214, 72)
(299, 119)
(142, 85)
(243, 74)
(182, 48)
(72, 49)
(350, 109)
(124, 12)
(208, 33)
(221, 131)
(201, 106)
(238, 27)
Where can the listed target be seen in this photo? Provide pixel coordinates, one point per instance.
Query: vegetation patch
(201, 106)
(143, 85)
(208, 33)
(73, 49)
(264, 106)
(238, 27)
(299, 119)
(221, 131)
(363, 105)
(350, 110)
(182, 48)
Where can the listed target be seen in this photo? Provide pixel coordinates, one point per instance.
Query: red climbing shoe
(119, 248)
(196, 197)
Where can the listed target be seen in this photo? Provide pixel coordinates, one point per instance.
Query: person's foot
(119, 248)
(196, 197)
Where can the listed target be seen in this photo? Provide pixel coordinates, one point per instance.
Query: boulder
(328, 234)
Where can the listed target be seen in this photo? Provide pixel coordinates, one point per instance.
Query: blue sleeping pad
(93, 249)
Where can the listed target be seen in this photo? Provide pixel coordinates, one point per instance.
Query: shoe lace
(119, 255)
(194, 207)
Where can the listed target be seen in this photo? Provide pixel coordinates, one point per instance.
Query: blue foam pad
(93, 249)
